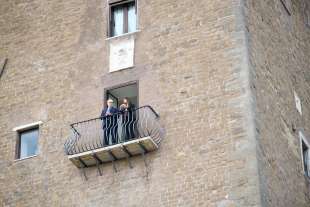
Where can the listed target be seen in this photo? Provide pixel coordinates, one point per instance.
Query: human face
(110, 103)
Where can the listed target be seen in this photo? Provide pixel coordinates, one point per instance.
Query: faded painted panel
(121, 52)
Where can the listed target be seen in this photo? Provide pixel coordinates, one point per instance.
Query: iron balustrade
(114, 129)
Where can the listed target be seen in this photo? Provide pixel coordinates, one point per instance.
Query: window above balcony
(122, 18)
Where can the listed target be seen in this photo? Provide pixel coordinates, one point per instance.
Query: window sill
(122, 35)
(126, 68)
(25, 158)
(27, 126)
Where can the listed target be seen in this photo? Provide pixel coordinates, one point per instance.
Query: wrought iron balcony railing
(123, 130)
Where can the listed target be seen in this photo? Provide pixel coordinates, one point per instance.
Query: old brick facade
(221, 74)
(279, 49)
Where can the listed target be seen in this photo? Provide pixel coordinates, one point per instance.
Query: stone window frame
(303, 141)
(113, 3)
(120, 85)
(287, 4)
(19, 130)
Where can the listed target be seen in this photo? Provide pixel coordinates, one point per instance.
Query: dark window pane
(29, 143)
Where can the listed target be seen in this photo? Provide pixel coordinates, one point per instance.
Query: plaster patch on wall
(297, 102)
(121, 53)
(39, 65)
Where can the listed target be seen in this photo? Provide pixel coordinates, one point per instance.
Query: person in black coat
(109, 122)
(128, 119)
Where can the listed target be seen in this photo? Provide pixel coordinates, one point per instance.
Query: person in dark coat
(128, 119)
(109, 122)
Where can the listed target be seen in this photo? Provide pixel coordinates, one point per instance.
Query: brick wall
(191, 64)
(279, 48)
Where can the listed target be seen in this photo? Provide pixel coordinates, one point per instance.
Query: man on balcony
(109, 123)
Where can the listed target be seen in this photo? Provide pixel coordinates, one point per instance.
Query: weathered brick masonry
(197, 63)
(279, 49)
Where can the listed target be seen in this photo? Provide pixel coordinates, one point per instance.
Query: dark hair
(126, 98)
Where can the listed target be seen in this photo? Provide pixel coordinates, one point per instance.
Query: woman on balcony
(128, 119)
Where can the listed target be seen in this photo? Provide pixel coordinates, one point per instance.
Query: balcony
(110, 138)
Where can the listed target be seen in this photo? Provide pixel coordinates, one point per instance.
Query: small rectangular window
(27, 143)
(305, 150)
(122, 18)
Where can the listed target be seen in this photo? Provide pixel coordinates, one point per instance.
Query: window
(287, 6)
(122, 18)
(118, 93)
(27, 143)
(305, 150)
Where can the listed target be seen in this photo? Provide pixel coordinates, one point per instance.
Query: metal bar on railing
(113, 129)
